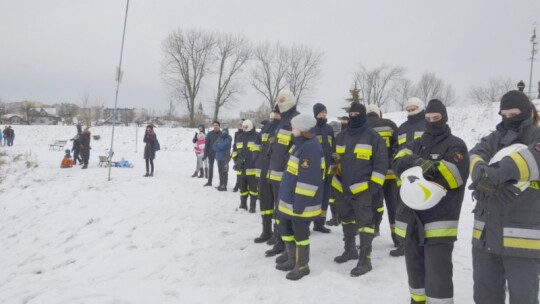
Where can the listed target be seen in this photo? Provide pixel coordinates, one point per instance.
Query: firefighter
(506, 230)
(429, 235)
(408, 131)
(300, 196)
(325, 134)
(360, 164)
(387, 129)
(265, 192)
(281, 141)
(244, 162)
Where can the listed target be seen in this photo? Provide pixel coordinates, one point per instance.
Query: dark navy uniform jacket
(246, 150)
(281, 141)
(412, 129)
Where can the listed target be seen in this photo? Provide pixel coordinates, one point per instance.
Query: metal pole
(118, 80)
(533, 53)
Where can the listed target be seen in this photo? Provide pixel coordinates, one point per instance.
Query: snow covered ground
(71, 236)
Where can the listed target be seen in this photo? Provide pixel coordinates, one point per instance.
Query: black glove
(478, 171)
(429, 168)
(484, 189)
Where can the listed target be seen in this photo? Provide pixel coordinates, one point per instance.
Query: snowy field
(71, 236)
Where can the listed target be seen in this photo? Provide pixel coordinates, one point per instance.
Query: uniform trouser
(211, 169)
(223, 170)
(491, 271)
(390, 190)
(429, 269)
(297, 229)
(355, 210)
(325, 199)
(248, 186)
(265, 198)
(377, 207)
(201, 164)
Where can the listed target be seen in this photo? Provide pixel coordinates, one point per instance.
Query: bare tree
(186, 62)
(404, 90)
(232, 53)
(377, 85)
(430, 87)
(85, 111)
(304, 70)
(271, 65)
(492, 92)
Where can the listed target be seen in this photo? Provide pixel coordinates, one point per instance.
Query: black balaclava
(359, 120)
(436, 128)
(513, 100)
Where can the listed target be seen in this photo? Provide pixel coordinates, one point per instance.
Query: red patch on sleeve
(537, 147)
(458, 157)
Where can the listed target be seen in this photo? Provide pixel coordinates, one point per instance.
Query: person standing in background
(150, 140)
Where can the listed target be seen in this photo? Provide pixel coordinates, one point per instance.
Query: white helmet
(505, 152)
(417, 192)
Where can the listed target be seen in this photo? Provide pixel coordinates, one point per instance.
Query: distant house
(43, 116)
(12, 119)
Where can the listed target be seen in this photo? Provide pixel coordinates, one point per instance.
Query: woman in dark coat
(149, 149)
(84, 141)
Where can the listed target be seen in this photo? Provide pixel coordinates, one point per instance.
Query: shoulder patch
(304, 163)
(458, 157)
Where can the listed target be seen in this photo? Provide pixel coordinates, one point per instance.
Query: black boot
(378, 220)
(195, 174)
(205, 172)
(288, 265)
(318, 225)
(364, 261)
(243, 202)
(349, 237)
(399, 251)
(252, 204)
(267, 229)
(275, 235)
(278, 247)
(201, 173)
(222, 188)
(301, 268)
(334, 221)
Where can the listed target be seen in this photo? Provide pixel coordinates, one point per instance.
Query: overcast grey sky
(57, 50)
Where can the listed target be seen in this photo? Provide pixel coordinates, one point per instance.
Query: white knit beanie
(414, 101)
(372, 108)
(289, 102)
(247, 123)
(272, 115)
(303, 122)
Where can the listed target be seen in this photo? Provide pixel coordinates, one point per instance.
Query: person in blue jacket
(222, 147)
(300, 196)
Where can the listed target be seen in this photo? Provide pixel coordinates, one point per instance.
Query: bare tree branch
(430, 87)
(304, 70)
(268, 76)
(377, 85)
(492, 92)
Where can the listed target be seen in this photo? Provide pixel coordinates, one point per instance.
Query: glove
(429, 168)
(479, 168)
(484, 189)
(336, 157)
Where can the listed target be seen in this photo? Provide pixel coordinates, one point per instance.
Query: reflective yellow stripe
(403, 152)
(476, 234)
(418, 298)
(244, 193)
(366, 230)
(292, 165)
(253, 193)
(348, 223)
(377, 178)
(402, 139)
(523, 168)
(332, 200)
(474, 160)
(250, 172)
(337, 184)
(287, 238)
(521, 243)
(359, 187)
(239, 145)
(264, 137)
(283, 139)
(402, 233)
(391, 176)
(312, 213)
(448, 176)
(340, 149)
(267, 212)
(380, 209)
(303, 243)
(444, 232)
(304, 191)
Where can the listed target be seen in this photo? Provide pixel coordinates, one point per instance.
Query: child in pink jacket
(199, 152)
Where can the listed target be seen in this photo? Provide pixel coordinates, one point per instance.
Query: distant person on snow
(199, 153)
(10, 136)
(5, 133)
(76, 149)
(66, 161)
(152, 145)
(209, 152)
(1, 138)
(84, 141)
(222, 148)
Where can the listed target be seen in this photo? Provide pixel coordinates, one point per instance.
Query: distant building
(12, 119)
(123, 115)
(43, 116)
(251, 115)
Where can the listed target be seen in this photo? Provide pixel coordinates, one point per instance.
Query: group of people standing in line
(7, 136)
(296, 166)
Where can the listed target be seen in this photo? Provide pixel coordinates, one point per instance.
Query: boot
(364, 261)
(395, 240)
(222, 188)
(278, 248)
(243, 202)
(400, 251)
(208, 184)
(267, 229)
(205, 172)
(301, 268)
(237, 185)
(195, 174)
(201, 173)
(318, 225)
(146, 175)
(273, 238)
(334, 221)
(252, 204)
(282, 258)
(349, 237)
(378, 220)
(288, 265)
